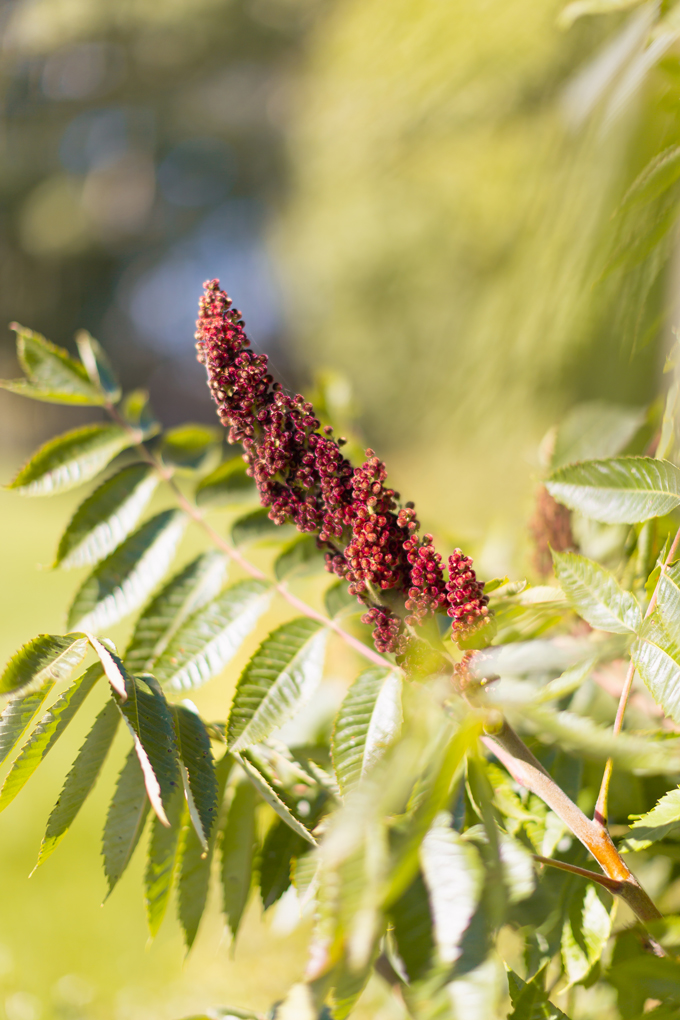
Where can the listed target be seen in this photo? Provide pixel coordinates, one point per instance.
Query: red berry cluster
(303, 477)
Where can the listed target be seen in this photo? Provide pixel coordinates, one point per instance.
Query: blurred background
(420, 203)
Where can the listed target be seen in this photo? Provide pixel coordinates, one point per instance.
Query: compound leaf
(125, 820)
(199, 769)
(51, 370)
(71, 459)
(596, 595)
(46, 657)
(238, 852)
(271, 797)
(623, 490)
(367, 722)
(18, 715)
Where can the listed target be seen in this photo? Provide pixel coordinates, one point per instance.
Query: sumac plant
(469, 826)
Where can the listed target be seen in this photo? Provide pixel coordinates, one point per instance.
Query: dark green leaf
(271, 797)
(337, 598)
(97, 365)
(530, 1001)
(125, 819)
(623, 490)
(162, 861)
(238, 849)
(282, 674)
(46, 657)
(81, 779)
(596, 595)
(137, 412)
(194, 586)
(51, 368)
(106, 517)
(205, 642)
(256, 526)
(46, 734)
(280, 848)
(412, 926)
(197, 760)
(367, 722)
(585, 933)
(124, 579)
(189, 447)
(301, 556)
(227, 484)
(70, 459)
(595, 430)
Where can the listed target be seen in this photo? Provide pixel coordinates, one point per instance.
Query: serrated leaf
(280, 677)
(46, 734)
(530, 1001)
(19, 714)
(454, 876)
(150, 722)
(623, 490)
(194, 586)
(412, 928)
(596, 595)
(80, 779)
(585, 933)
(125, 820)
(280, 848)
(71, 459)
(337, 598)
(199, 768)
(366, 724)
(46, 657)
(162, 859)
(271, 797)
(595, 430)
(24, 388)
(257, 526)
(97, 365)
(655, 824)
(121, 582)
(656, 656)
(301, 556)
(205, 642)
(238, 851)
(106, 517)
(189, 447)
(49, 367)
(136, 411)
(227, 484)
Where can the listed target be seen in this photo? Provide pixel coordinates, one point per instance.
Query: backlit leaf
(657, 659)
(51, 368)
(205, 642)
(622, 490)
(256, 526)
(189, 447)
(337, 599)
(46, 657)
(125, 820)
(136, 411)
(301, 556)
(412, 927)
(121, 582)
(367, 722)
(106, 517)
(162, 861)
(238, 850)
(196, 758)
(280, 677)
(595, 430)
(655, 824)
(18, 715)
(585, 933)
(24, 388)
(596, 595)
(227, 484)
(530, 1001)
(97, 365)
(271, 797)
(70, 459)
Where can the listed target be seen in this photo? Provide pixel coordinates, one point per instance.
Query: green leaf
(194, 586)
(624, 490)
(337, 598)
(530, 1001)
(596, 595)
(301, 556)
(150, 722)
(98, 367)
(80, 779)
(279, 850)
(367, 722)
(656, 656)
(162, 861)
(51, 369)
(136, 411)
(668, 599)
(24, 388)
(595, 430)
(646, 977)
(660, 174)
(46, 657)
(46, 734)
(585, 933)
(413, 927)
(124, 579)
(655, 824)
(454, 876)
(271, 797)
(256, 526)
(189, 447)
(70, 459)
(205, 642)
(199, 768)
(125, 820)
(280, 677)
(238, 851)
(18, 715)
(227, 484)
(106, 517)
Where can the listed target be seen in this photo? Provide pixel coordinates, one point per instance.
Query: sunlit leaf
(106, 517)
(595, 430)
(206, 641)
(24, 388)
(530, 1001)
(301, 556)
(596, 595)
(585, 933)
(238, 850)
(280, 677)
(136, 411)
(80, 779)
(189, 447)
(125, 820)
(121, 582)
(655, 824)
(46, 657)
(162, 860)
(70, 459)
(257, 526)
(367, 722)
(194, 586)
(18, 715)
(271, 797)
(97, 365)
(227, 484)
(51, 368)
(46, 734)
(622, 490)
(657, 659)
(197, 762)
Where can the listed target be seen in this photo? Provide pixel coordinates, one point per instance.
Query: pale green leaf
(517, 867)
(656, 824)
(668, 600)
(189, 447)
(585, 932)
(367, 722)
(596, 595)
(258, 526)
(125, 819)
(238, 851)
(46, 734)
(595, 430)
(478, 992)
(227, 484)
(70, 459)
(205, 642)
(280, 677)
(271, 797)
(136, 411)
(337, 598)
(660, 174)
(24, 388)
(349, 982)
(80, 779)
(18, 715)
(46, 657)
(121, 582)
(106, 517)
(98, 367)
(301, 556)
(623, 490)
(530, 1001)
(198, 768)
(162, 861)
(49, 367)
(580, 8)
(194, 586)
(657, 659)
